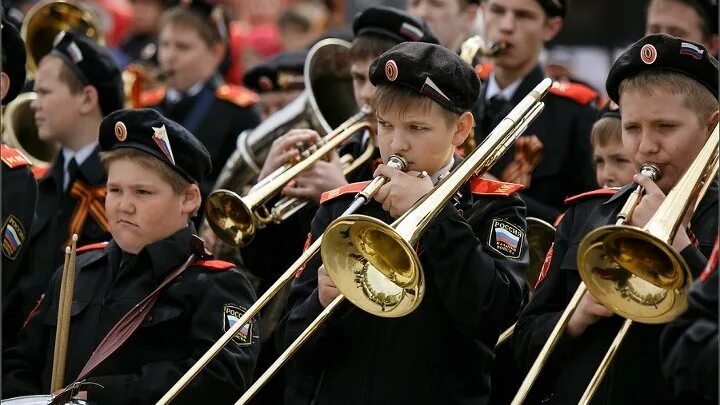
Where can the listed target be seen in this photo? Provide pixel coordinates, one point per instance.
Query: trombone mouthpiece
(397, 162)
(652, 171)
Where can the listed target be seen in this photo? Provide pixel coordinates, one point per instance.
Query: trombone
(396, 162)
(374, 264)
(235, 219)
(635, 272)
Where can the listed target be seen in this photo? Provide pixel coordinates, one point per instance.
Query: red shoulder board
(237, 95)
(577, 92)
(152, 97)
(13, 158)
(93, 246)
(712, 264)
(483, 71)
(601, 192)
(218, 265)
(352, 188)
(483, 186)
(39, 172)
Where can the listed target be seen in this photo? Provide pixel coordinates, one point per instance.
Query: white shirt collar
(173, 95)
(436, 176)
(80, 156)
(494, 89)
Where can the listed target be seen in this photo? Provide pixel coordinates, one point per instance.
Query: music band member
(667, 90)
(475, 283)
(77, 84)
(694, 20)
(19, 196)
(553, 158)
(612, 159)
(154, 168)
(451, 20)
(191, 46)
(277, 80)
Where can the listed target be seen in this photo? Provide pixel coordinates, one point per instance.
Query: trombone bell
(374, 268)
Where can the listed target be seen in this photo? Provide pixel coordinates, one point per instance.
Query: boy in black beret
(694, 20)
(192, 45)
(613, 160)
(474, 282)
(562, 163)
(77, 84)
(667, 90)
(19, 188)
(154, 168)
(451, 20)
(277, 80)
(376, 30)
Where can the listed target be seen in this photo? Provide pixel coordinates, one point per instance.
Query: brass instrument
(396, 162)
(648, 170)
(42, 24)
(325, 104)
(235, 219)
(374, 264)
(635, 272)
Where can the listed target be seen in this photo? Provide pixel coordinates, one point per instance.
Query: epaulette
(92, 246)
(217, 265)
(483, 71)
(152, 97)
(577, 92)
(39, 172)
(353, 188)
(13, 158)
(237, 95)
(601, 192)
(483, 186)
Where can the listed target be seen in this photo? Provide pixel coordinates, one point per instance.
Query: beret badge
(160, 137)
(391, 70)
(120, 131)
(648, 54)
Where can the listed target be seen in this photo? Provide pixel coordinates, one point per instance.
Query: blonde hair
(178, 183)
(697, 97)
(606, 130)
(388, 97)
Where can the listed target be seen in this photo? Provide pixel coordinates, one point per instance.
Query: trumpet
(374, 264)
(396, 162)
(476, 46)
(235, 219)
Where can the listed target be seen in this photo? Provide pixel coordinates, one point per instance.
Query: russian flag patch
(691, 50)
(506, 238)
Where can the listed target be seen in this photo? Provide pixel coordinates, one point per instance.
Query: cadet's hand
(321, 177)
(327, 291)
(587, 313)
(650, 203)
(285, 148)
(402, 191)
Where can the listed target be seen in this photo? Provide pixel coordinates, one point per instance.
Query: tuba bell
(42, 24)
(325, 104)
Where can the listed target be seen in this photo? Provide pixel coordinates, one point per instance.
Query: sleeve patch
(231, 315)
(13, 237)
(506, 238)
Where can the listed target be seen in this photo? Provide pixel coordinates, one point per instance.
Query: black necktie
(72, 170)
(493, 113)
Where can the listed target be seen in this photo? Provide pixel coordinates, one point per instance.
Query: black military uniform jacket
(564, 130)
(190, 315)
(217, 126)
(19, 197)
(55, 210)
(689, 346)
(634, 376)
(443, 351)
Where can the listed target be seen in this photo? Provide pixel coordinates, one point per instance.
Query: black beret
(147, 130)
(94, 66)
(283, 71)
(431, 70)
(661, 51)
(14, 51)
(210, 10)
(708, 11)
(392, 23)
(554, 8)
